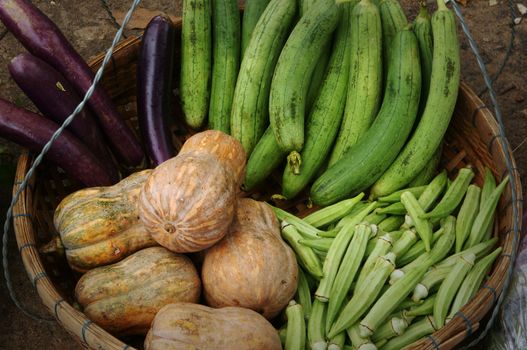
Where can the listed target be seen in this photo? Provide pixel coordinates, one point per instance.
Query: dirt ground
(89, 27)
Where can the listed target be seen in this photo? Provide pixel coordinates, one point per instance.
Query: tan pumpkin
(224, 147)
(100, 225)
(123, 298)
(188, 202)
(184, 326)
(252, 266)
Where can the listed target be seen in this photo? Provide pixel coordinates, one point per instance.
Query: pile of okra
(383, 274)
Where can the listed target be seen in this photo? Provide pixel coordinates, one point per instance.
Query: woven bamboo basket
(472, 139)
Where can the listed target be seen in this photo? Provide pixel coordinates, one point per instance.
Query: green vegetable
(391, 223)
(431, 279)
(415, 211)
(393, 20)
(393, 209)
(332, 213)
(417, 250)
(489, 185)
(402, 245)
(382, 246)
(251, 14)
(396, 196)
(393, 328)
(467, 215)
(421, 328)
(296, 327)
(424, 309)
(423, 32)
(433, 191)
(196, 53)
(303, 293)
(306, 256)
(316, 331)
(430, 168)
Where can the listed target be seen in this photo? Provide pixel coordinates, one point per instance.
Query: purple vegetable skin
(33, 131)
(43, 39)
(56, 99)
(154, 88)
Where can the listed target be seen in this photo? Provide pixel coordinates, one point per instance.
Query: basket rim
(91, 335)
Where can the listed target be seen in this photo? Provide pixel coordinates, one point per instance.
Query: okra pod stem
(402, 245)
(473, 281)
(303, 293)
(453, 195)
(332, 213)
(389, 300)
(396, 196)
(450, 286)
(363, 343)
(337, 342)
(296, 327)
(423, 327)
(306, 256)
(423, 226)
(346, 273)
(316, 331)
(365, 295)
(391, 223)
(393, 328)
(336, 252)
(486, 215)
(467, 215)
(431, 279)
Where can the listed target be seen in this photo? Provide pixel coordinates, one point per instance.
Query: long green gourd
(438, 110)
(226, 61)
(292, 75)
(196, 53)
(423, 32)
(373, 154)
(365, 79)
(250, 106)
(251, 14)
(393, 20)
(326, 114)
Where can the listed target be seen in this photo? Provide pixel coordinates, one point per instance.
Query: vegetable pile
(342, 98)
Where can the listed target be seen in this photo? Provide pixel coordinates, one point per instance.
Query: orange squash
(188, 202)
(252, 266)
(185, 326)
(123, 298)
(100, 225)
(224, 147)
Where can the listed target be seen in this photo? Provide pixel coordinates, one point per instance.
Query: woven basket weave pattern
(471, 140)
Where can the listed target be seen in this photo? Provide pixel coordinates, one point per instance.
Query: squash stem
(295, 161)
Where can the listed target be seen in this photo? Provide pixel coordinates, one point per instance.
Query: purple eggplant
(44, 39)
(154, 88)
(56, 99)
(33, 131)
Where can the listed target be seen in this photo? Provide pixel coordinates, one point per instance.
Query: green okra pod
(363, 343)
(357, 216)
(391, 223)
(365, 295)
(453, 195)
(433, 191)
(415, 211)
(337, 342)
(417, 250)
(407, 304)
(393, 328)
(396, 208)
(346, 273)
(489, 185)
(485, 216)
(375, 218)
(467, 215)
(303, 227)
(450, 286)
(316, 331)
(306, 256)
(332, 213)
(321, 244)
(419, 329)
(430, 280)
(403, 244)
(473, 281)
(389, 301)
(424, 309)
(481, 250)
(382, 246)
(296, 327)
(303, 293)
(282, 333)
(396, 196)
(336, 252)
